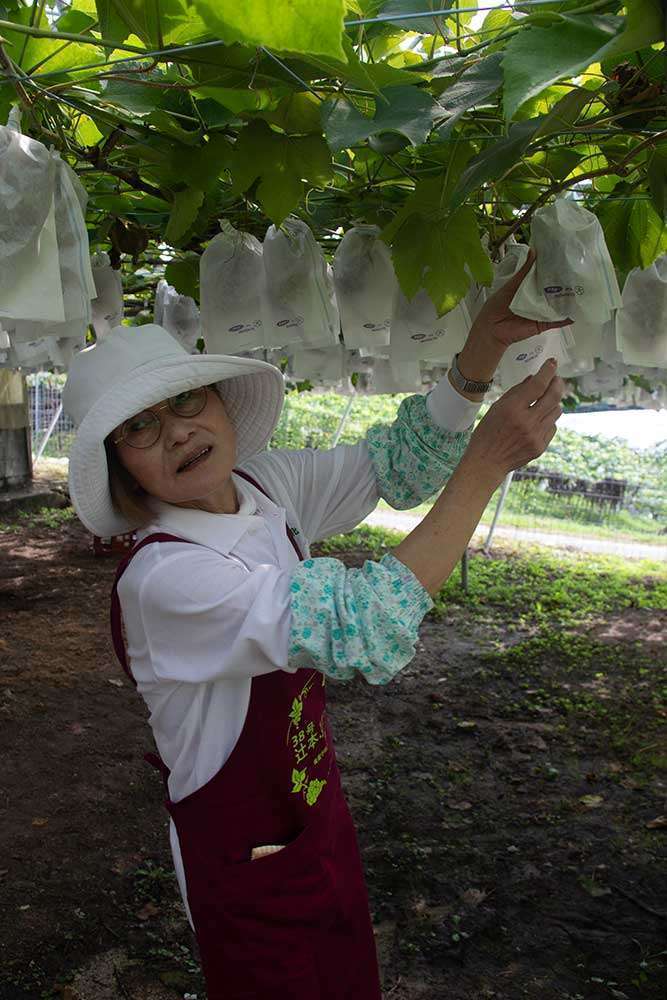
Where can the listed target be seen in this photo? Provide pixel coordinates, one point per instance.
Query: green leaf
(112, 25)
(644, 25)
(441, 256)
(405, 110)
(635, 233)
(183, 274)
(657, 179)
(472, 88)
(433, 248)
(537, 57)
(53, 56)
(282, 25)
(201, 167)
(156, 22)
(281, 163)
(423, 25)
(496, 159)
(183, 213)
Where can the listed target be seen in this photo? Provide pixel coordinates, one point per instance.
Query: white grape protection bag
(573, 276)
(178, 314)
(365, 285)
(231, 274)
(641, 322)
(298, 303)
(107, 306)
(419, 334)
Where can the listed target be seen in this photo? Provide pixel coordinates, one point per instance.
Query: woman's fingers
(552, 414)
(506, 292)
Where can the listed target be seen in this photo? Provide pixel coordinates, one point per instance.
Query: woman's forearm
(434, 547)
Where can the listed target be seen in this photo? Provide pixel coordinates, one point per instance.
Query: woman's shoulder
(170, 566)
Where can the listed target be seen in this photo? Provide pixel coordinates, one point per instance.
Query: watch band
(465, 384)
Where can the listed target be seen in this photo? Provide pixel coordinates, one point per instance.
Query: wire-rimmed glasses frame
(200, 394)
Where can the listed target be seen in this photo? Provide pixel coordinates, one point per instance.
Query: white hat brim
(253, 394)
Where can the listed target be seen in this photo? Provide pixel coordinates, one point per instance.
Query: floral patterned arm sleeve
(414, 457)
(346, 620)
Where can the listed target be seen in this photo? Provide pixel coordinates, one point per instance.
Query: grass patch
(535, 585)
(45, 517)
(618, 527)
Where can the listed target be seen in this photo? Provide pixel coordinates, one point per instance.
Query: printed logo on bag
(530, 355)
(245, 327)
(378, 327)
(426, 338)
(291, 321)
(307, 738)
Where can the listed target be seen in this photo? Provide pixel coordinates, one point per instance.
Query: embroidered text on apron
(295, 924)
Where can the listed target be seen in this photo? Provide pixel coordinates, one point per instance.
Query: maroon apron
(295, 924)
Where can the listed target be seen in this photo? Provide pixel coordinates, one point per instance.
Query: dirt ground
(510, 809)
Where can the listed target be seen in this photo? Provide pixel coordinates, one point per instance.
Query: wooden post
(15, 444)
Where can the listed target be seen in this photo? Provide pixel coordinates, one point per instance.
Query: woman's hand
(519, 426)
(497, 321)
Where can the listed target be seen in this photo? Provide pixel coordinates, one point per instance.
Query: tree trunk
(15, 446)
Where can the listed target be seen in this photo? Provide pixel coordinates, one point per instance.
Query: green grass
(534, 585)
(563, 518)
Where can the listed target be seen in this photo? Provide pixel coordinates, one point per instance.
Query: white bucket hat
(134, 368)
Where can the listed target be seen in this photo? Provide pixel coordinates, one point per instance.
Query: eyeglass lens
(143, 430)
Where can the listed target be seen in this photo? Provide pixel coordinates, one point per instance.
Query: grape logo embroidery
(307, 738)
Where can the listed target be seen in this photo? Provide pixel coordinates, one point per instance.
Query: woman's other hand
(519, 426)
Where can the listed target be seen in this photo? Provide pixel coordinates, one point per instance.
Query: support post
(49, 432)
(499, 507)
(342, 423)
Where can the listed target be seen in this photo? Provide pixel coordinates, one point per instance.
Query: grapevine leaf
(643, 26)
(112, 25)
(657, 180)
(183, 274)
(472, 88)
(440, 256)
(183, 213)
(495, 161)
(537, 57)
(634, 232)
(53, 56)
(281, 163)
(169, 22)
(424, 25)
(283, 25)
(405, 110)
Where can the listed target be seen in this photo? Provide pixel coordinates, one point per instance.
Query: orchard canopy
(446, 124)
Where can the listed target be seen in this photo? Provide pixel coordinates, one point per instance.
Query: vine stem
(8, 65)
(68, 36)
(617, 168)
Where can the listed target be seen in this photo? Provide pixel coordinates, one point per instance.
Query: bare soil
(508, 809)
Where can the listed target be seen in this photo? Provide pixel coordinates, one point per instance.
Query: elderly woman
(231, 629)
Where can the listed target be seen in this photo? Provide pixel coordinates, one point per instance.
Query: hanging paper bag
(231, 273)
(178, 315)
(573, 276)
(641, 322)
(107, 306)
(418, 333)
(365, 285)
(298, 297)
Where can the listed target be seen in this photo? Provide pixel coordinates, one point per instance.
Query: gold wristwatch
(464, 384)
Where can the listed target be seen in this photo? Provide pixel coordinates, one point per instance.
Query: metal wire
(450, 11)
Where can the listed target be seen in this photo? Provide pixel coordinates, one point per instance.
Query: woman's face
(166, 469)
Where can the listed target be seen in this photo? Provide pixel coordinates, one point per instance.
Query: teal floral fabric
(414, 457)
(355, 620)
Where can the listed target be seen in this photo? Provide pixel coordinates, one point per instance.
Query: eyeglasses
(144, 429)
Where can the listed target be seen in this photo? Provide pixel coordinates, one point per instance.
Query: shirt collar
(218, 531)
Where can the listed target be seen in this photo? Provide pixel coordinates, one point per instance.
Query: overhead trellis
(447, 124)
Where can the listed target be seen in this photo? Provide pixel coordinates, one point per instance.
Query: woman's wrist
(478, 361)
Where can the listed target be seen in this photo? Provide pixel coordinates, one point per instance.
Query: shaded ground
(507, 787)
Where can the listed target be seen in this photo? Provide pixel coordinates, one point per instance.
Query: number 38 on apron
(293, 924)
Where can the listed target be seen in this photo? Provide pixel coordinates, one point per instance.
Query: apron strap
(116, 617)
(290, 533)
